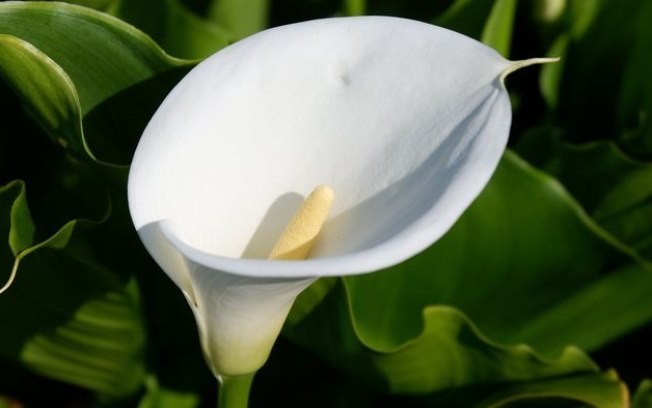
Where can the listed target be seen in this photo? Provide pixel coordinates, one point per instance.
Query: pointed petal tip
(516, 65)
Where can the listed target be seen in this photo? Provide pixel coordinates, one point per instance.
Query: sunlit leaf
(65, 61)
(70, 36)
(46, 90)
(477, 371)
(523, 237)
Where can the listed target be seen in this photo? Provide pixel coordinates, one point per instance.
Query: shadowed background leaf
(66, 316)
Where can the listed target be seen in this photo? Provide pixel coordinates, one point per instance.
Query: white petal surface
(239, 318)
(406, 122)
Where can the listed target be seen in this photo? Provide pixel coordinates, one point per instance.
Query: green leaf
(71, 35)
(65, 61)
(643, 396)
(497, 32)
(524, 263)
(596, 390)
(615, 189)
(449, 340)
(19, 227)
(635, 97)
(101, 5)
(601, 89)
(522, 237)
(450, 363)
(45, 89)
(490, 21)
(603, 313)
(240, 17)
(178, 30)
(66, 316)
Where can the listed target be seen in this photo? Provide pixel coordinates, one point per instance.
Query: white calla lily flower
(405, 121)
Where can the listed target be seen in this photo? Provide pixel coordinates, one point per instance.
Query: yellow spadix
(300, 234)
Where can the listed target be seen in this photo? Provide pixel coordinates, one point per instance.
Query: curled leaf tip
(300, 234)
(516, 65)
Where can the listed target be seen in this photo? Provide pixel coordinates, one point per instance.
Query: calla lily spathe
(406, 122)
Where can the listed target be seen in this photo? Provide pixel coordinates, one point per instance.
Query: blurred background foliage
(538, 291)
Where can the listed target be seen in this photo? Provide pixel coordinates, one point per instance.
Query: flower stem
(234, 391)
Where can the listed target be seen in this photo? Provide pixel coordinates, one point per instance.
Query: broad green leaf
(595, 314)
(446, 340)
(240, 17)
(525, 264)
(100, 347)
(178, 30)
(521, 251)
(614, 189)
(80, 58)
(643, 396)
(71, 37)
(497, 31)
(450, 363)
(66, 316)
